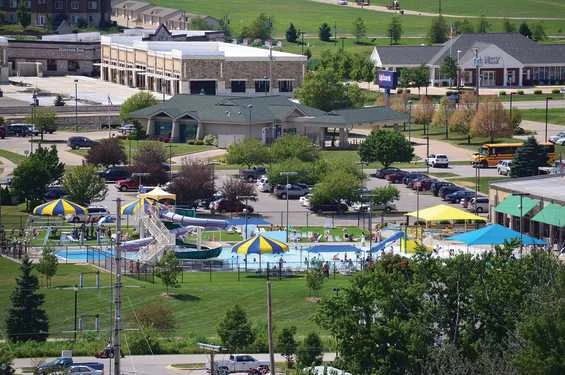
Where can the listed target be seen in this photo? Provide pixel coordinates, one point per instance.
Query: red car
(423, 184)
(129, 184)
(396, 177)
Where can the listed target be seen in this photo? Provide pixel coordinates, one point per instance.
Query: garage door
(203, 87)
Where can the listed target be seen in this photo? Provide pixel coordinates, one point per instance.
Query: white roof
(199, 50)
(3, 41)
(73, 37)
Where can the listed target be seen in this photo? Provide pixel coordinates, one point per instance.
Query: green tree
(106, 152)
(23, 14)
(84, 185)
(336, 185)
(292, 146)
(491, 121)
(235, 330)
(516, 120)
(6, 359)
(508, 27)
(26, 320)
(314, 281)
(394, 30)
(194, 181)
(310, 351)
(464, 27)
(356, 98)
(449, 68)
(286, 344)
(136, 102)
(538, 32)
(48, 263)
(359, 29)
(386, 147)
(524, 29)
(528, 158)
(306, 172)
(421, 77)
(325, 32)
(484, 25)
(225, 27)
(260, 28)
(168, 270)
(35, 172)
(384, 195)
(291, 34)
(323, 90)
(249, 152)
(439, 31)
(44, 120)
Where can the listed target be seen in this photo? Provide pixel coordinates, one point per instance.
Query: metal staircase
(164, 240)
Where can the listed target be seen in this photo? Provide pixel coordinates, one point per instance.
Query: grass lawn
(12, 156)
(177, 149)
(483, 184)
(529, 97)
(554, 115)
(14, 217)
(199, 304)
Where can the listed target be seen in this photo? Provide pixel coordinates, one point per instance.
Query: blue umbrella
(494, 234)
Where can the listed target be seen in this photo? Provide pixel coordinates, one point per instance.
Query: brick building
(93, 12)
(212, 68)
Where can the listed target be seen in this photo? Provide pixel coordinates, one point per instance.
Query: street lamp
(458, 75)
(409, 121)
(250, 108)
(287, 174)
(477, 63)
(76, 311)
(370, 196)
(76, 105)
(245, 210)
(547, 99)
(33, 105)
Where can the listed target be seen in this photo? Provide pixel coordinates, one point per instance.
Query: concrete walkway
(7, 167)
(203, 156)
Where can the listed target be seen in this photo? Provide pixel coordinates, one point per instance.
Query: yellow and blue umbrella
(260, 245)
(132, 207)
(59, 207)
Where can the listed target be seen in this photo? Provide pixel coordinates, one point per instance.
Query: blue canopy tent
(493, 234)
(380, 246)
(333, 249)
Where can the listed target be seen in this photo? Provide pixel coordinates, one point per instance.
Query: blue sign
(387, 79)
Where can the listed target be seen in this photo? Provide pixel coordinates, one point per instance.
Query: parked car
(438, 185)
(437, 160)
(448, 190)
(239, 363)
(78, 142)
(19, 130)
(503, 167)
(116, 173)
(55, 192)
(423, 184)
(334, 206)
(557, 136)
(464, 202)
(397, 177)
(129, 184)
(305, 200)
(252, 174)
(224, 205)
(341, 2)
(560, 141)
(127, 128)
(364, 207)
(84, 370)
(412, 176)
(381, 173)
(263, 184)
(63, 363)
(93, 214)
(479, 204)
(294, 191)
(415, 182)
(456, 196)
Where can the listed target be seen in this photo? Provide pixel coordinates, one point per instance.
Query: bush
(502, 93)
(143, 342)
(199, 142)
(190, 141)
(520, 92)
(210, 140)
(538, 92)
(399, 91)
(154, 315)
(556, 91)
(407, 91)
(59, 102)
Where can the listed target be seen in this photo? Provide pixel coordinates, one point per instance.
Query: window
(285, 85)
(74, 4)
(59, 4)
(73, 66)
(51, 65)
(90, 19)
(13, 3)
(74, 19)
(262, 85)
(40, 20)
(237, 86)
(92, 4)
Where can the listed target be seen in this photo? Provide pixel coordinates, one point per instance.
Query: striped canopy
(132, 207)
(59, 207)
(260, 245)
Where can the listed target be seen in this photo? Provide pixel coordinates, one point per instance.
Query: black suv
(252, 174)
(335, 206)
(78, 142)
(19, 130)
(115, 173)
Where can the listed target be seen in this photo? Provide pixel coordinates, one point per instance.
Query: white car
(127, 128)
(94, 213)
(341, 2)
(364, 206)
(437, 160)
(503, 167)
(239, 363)
(560, 141)
(84, 370)
(263, 184)
(305, 200)
(556, 137)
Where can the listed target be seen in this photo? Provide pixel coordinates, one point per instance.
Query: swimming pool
(80, 255)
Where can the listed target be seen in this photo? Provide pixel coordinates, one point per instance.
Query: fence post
(97, 279)
(97, 323)
(81, 280)
(238, 272)
(267, 271)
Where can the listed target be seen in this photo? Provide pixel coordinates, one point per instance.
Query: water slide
(193, 221)
(136, 244)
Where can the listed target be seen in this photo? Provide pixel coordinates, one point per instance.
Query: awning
(511, 205)
(552, 214)
(443, 212)
(159, 194)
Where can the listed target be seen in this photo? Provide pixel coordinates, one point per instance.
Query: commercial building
(504, 60)
(4, 69)
(232, 119)
(536, 203)
(211, 68)
(91, 12)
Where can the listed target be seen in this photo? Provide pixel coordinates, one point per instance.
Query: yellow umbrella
(59, 207)
(158, 194)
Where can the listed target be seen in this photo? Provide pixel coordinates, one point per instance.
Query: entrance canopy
(443, 212)
(511, 205)
(494, 234)
(158, 194)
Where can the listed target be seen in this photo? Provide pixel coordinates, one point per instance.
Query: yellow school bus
(491, 153)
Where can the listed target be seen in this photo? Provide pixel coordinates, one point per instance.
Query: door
(488, 78)
(203, 87)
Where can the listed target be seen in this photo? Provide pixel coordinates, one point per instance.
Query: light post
(76, 105)
(33, 105)
(250, 108)
(477, 185)
(477, 63)
(245, 210)
(370, 196)
(410, 121)
(511, 95)
(170, 145)
(547, 99)
(521, 195)
(458, 75)
(76, 311)
(287, 174)
(427, 147)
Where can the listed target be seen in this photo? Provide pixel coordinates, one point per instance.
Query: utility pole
(477, 74)
(117, 288)
(270, 329)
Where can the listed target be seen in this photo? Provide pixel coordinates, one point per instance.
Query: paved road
(535, 104)
(158, 364)
(539, 128)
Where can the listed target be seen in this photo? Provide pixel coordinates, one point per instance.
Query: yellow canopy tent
(443, 212)
(158, 194)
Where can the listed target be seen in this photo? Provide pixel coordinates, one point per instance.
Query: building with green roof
(232, 119)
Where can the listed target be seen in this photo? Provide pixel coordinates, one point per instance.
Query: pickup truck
(62, 363)
(239, 363)
(252, 174)
(129, 184)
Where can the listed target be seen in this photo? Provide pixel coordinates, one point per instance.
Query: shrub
(399, 91)
(190, 141)
(199, 142)
(407, 91)
(502, 93)
(556, 91)
(538, 92)
(520, 92)
(154, 315)
(210, 140)
(143, 342)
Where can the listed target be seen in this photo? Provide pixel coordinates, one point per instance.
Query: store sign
(387, 79)
(488, 60)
